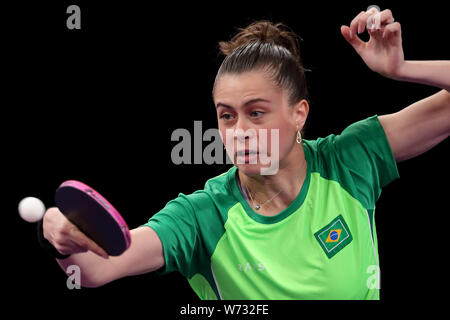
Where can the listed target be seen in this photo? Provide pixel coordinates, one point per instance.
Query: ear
(300, 113)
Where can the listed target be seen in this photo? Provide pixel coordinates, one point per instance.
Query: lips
(246, 152)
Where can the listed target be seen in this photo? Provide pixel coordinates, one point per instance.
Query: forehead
(246, 85)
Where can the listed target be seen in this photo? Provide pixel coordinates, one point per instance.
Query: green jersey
(323, 246)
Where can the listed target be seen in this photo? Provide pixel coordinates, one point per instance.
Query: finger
(64, 249)
(386, 17)
(374, 26)
(85, 242)
(373, 22)
(72, 248)
(354, 24)
(392, 29)
(362, 20)
(355, 42)
(378, 20)
(77, 248)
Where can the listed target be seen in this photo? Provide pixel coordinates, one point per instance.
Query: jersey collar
(298, 201)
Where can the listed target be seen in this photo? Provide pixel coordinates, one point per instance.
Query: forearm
(90, 264)
(434, 73)
(418, 127)
(145, 254)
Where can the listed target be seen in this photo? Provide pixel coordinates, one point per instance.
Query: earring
(299, 137)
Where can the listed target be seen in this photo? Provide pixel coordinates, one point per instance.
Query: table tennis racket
(94, 216)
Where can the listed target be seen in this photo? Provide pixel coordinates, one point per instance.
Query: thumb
(353, 39)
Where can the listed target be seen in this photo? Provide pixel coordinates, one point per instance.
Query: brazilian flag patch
(334, 236)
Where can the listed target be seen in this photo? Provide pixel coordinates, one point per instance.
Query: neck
(289, 180)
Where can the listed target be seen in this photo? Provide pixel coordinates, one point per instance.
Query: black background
(99, 105)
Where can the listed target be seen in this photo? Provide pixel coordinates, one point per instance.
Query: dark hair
(270, 47)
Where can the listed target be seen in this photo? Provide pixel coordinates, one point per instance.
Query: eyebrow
(220, 104)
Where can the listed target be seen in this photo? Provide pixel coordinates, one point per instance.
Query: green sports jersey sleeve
(189, 228)
(176, 227)
(364, 149)
(361, 159)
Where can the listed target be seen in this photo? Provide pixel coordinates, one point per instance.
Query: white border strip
(371, 238)
(215, 281)
(374, 251)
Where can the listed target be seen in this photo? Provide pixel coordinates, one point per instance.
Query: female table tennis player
(306, 231)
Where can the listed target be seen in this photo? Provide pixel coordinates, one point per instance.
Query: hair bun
(263, 31)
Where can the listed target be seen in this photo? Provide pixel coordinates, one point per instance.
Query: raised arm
(418, 127)
(145, 253)
(422, 125)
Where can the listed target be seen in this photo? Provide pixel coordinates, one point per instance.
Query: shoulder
(320, 154)
(359, 159)
(217, 193)
(358, 137)
(221, 183)
(336, 156)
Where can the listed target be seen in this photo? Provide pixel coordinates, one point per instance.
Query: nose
(242, 131)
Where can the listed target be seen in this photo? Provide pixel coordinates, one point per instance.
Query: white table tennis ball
(31, 209)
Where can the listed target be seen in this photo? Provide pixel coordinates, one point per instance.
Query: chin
(251, 169)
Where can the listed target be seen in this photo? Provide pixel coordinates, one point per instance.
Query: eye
(257, 114)
(226, 116)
